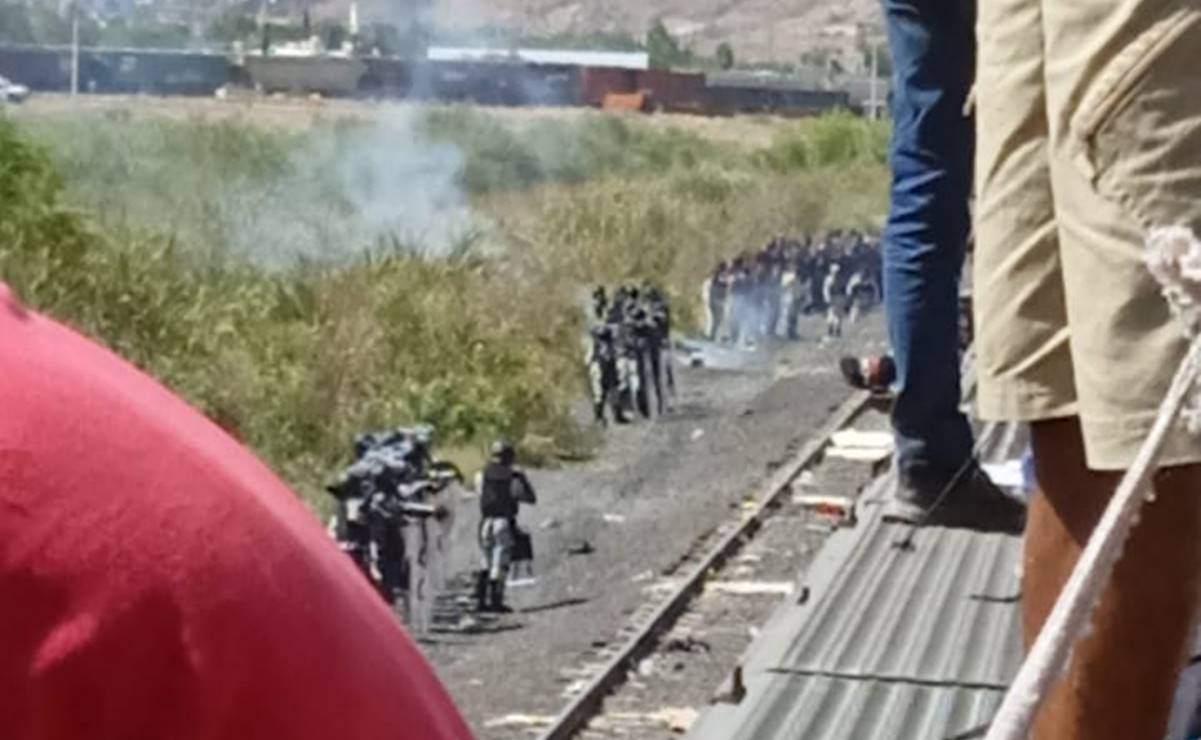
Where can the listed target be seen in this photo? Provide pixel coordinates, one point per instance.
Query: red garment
(157, 581)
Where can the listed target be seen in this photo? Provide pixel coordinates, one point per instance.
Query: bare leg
(1122, 676)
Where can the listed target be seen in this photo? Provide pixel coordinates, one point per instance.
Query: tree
(725, 56)
(664, 50)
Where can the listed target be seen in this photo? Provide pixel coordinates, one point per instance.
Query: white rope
(1049, 656)
(1172, 255)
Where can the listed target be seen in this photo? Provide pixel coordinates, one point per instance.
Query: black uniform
(502, 489)
(603, 373)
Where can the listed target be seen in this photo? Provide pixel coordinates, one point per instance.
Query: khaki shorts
(1088, 134)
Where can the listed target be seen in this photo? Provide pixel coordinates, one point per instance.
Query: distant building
(560, 57)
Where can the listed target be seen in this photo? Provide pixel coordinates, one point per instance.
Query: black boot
(481, 591)
(619, 413)
(496, 598)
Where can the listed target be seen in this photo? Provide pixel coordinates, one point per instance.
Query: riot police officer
(502, 488)
(603, 373)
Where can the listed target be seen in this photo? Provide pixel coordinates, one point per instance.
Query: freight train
(102, 70)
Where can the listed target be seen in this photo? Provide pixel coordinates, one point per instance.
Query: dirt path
(650, 494)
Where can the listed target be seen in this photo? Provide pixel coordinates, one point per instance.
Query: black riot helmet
(502, 452)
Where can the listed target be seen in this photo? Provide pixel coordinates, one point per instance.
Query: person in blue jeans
(932, 43)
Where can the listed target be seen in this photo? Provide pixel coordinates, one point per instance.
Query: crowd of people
(628, 353)
(393, 517)
(395, 512)
(763, 294)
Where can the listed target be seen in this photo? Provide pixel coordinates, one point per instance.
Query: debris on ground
(687, 644)
(677, 720)
(857, 445)
(583, 547)
(696, 434)
(646, 666)
(642, 577)
(574, 688)
(838, 507)
(550, 524)
(614, 518)
(519, 720)
(662, 587)
(751, 588)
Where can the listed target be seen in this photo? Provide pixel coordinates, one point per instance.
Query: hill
(781, 31)
(758, 30)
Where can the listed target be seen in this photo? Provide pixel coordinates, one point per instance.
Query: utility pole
(74, 48)
(874, 96)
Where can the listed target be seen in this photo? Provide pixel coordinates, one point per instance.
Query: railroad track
(630, 660)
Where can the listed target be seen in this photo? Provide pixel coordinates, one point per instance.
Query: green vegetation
(832, 140)
(724, 56)
(136, 231)
(665, 51)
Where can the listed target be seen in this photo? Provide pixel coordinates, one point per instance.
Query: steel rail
(588, 702)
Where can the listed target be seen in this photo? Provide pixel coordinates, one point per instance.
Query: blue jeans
(933, 56)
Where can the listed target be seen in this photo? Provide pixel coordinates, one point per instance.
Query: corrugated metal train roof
(943, 611)
(892, 643)
(797, 708)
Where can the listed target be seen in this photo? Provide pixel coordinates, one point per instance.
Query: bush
(834, 139)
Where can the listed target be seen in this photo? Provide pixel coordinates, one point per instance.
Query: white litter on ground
(860, 446)
(861, 439)
(518, 720)
(573, 688)
(676, 719)
(751, 588)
